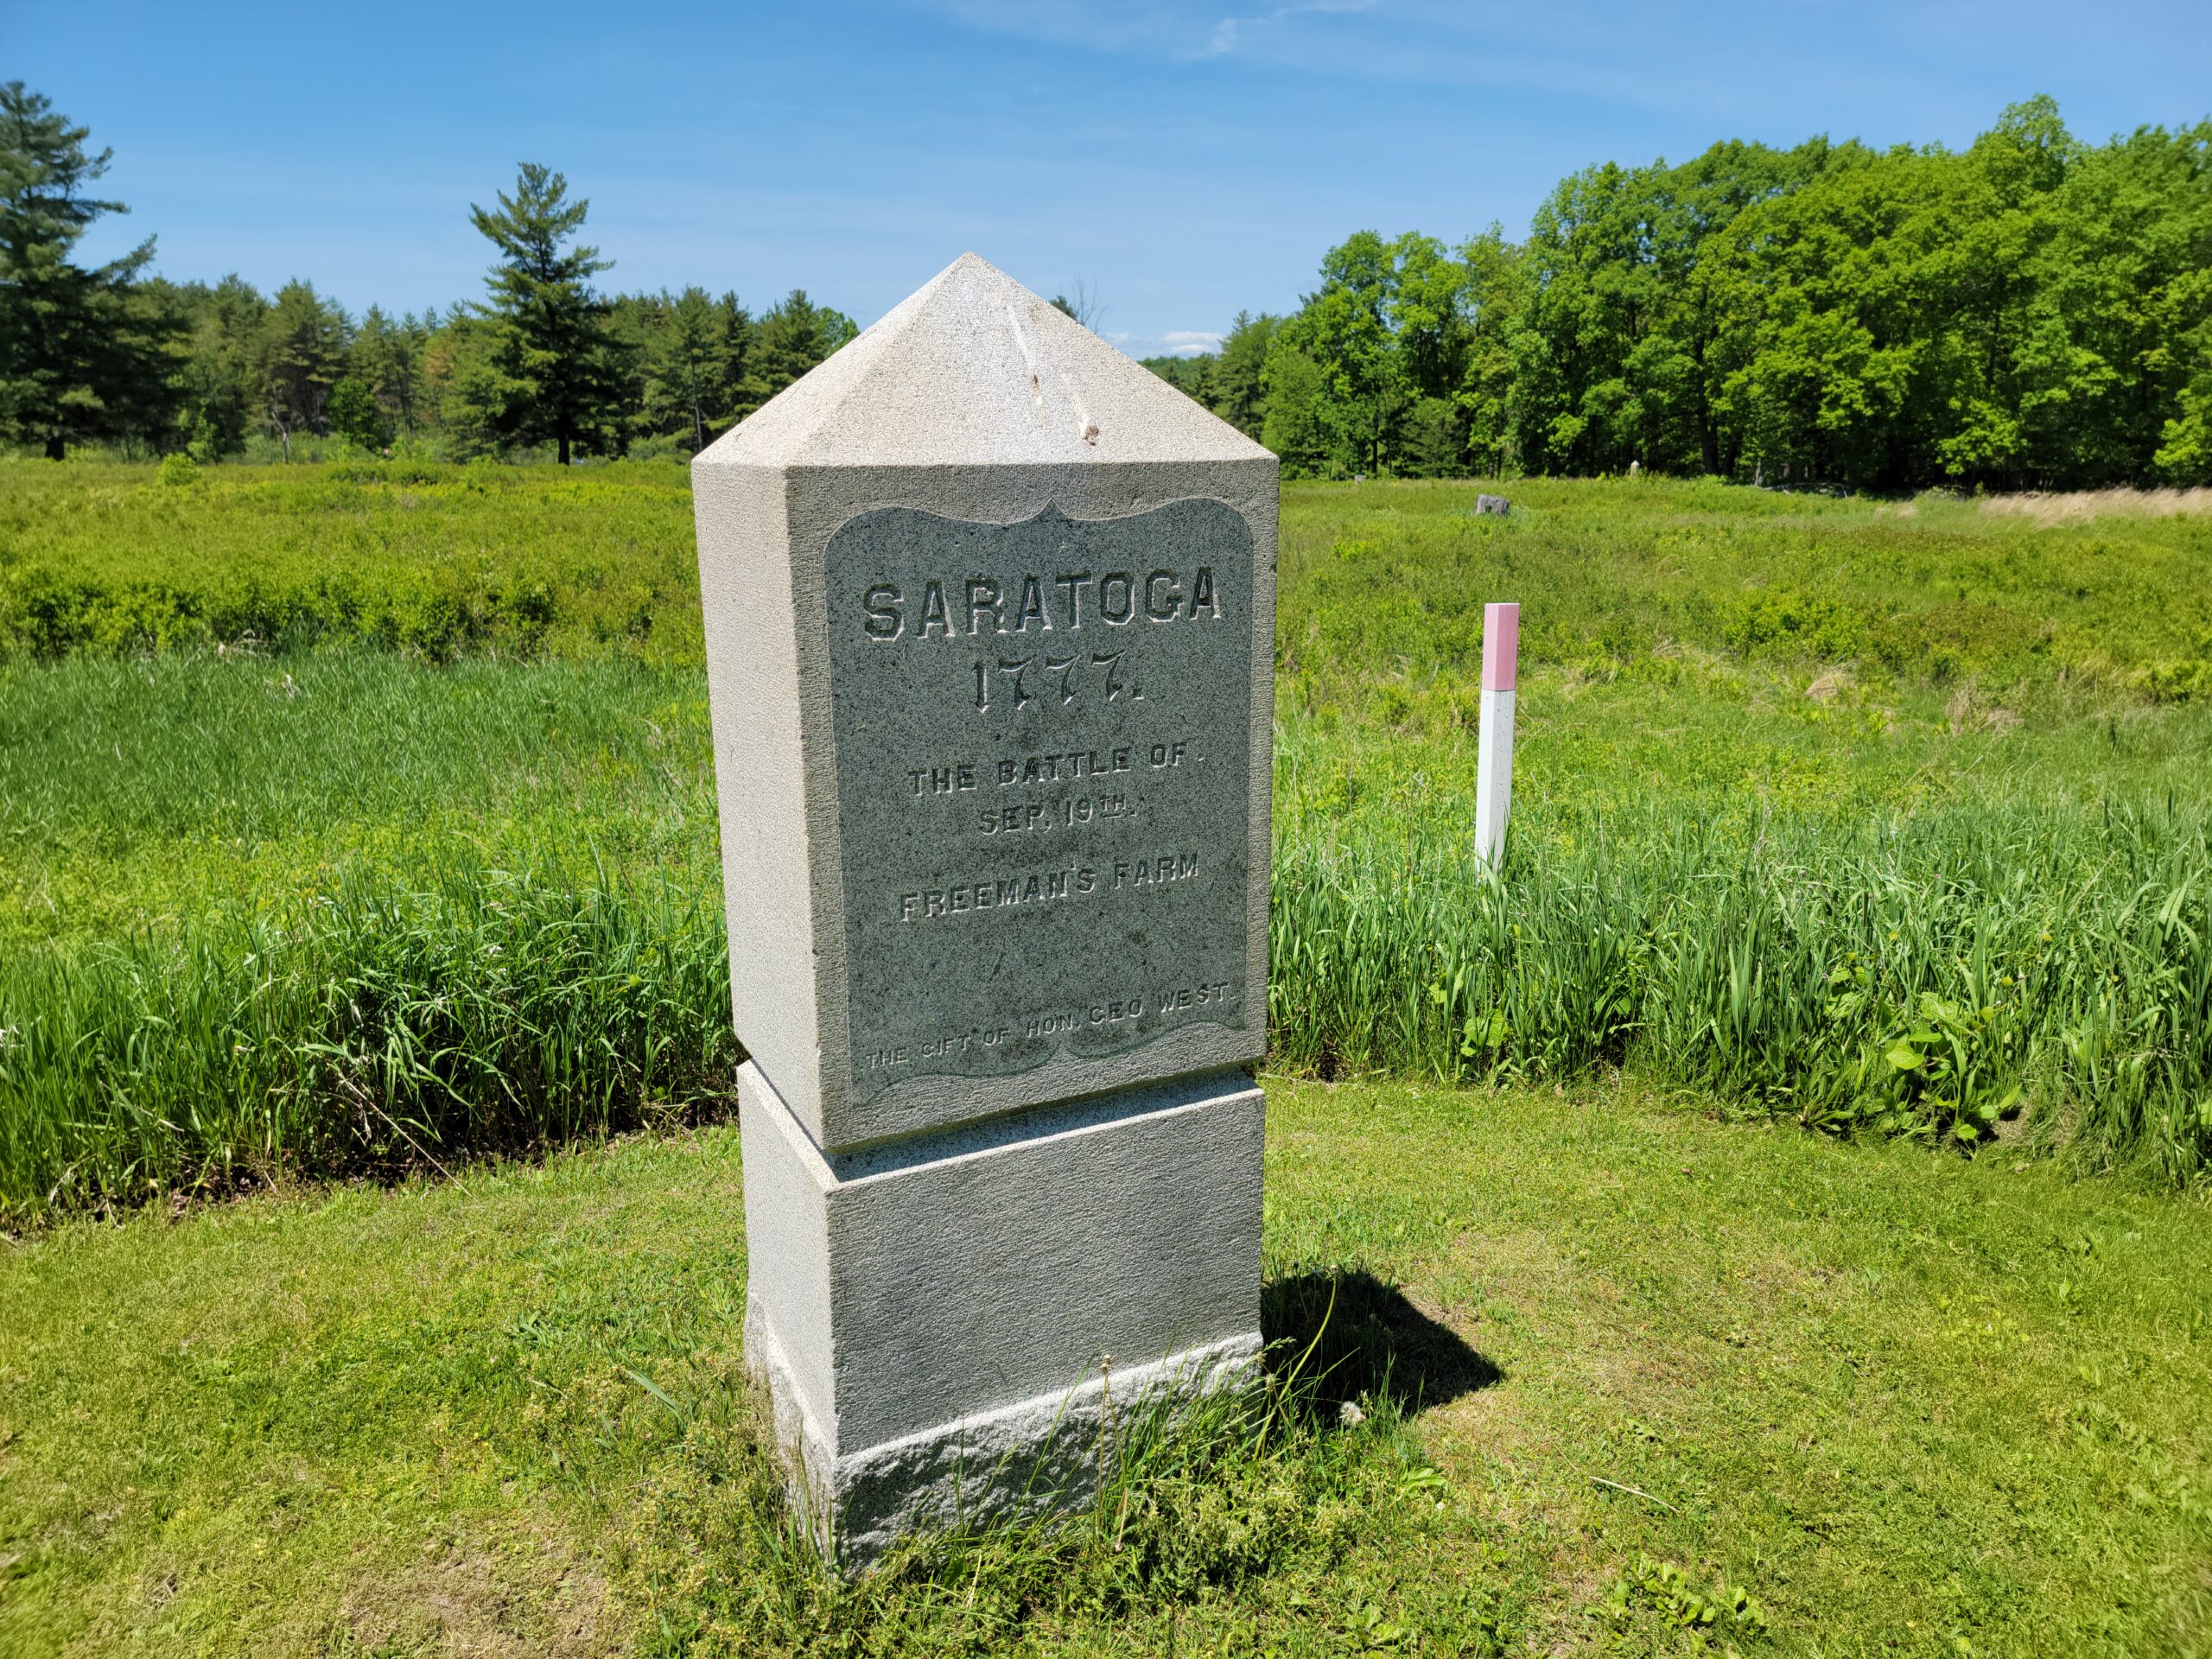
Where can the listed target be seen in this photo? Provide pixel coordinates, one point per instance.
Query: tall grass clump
(371, 1027)
(1937, 975)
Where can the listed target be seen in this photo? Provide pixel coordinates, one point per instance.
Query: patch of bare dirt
(475, 1600)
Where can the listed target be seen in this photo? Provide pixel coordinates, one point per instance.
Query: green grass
(359, 822)
(1906, 1405)
(155, 792)
(443, 560)
(435, 560)
(1612, 573)
(1937, 890)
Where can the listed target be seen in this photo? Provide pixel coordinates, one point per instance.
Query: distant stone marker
(1496, 504)
(989, 613)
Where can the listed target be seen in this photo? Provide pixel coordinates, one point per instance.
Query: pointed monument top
(973, 369)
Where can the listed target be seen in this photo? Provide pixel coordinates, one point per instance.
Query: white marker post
(1494, 742)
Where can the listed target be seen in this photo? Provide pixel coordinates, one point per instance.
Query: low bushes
(47, 617)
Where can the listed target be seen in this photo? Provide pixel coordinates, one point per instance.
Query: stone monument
(989, 619)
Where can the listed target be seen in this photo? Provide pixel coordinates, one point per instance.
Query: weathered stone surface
(989, 613)
(1493, 504)
(980, 395)
(1038, 1455)
(1043, 739)
(901, 1295)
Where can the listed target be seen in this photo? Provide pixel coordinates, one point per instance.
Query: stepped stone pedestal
(989, 614)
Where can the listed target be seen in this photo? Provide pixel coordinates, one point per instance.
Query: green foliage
(1927, 976)
(697, 357)
(795, 334)
(355, 416)
(1773, 842)
(510, 1411)
(1175, 1505)
(83, 352)
(369, 1027)
(1729, 1610)
(433, 561)
(302, 350)
(2031, 312)
(557, 379)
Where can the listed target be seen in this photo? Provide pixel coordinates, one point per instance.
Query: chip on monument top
(989, 612)
(975, 368)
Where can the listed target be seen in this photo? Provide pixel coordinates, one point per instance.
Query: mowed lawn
(1904, 1402)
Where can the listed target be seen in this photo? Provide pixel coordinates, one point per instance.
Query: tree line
(2032, 311)
(110, 354)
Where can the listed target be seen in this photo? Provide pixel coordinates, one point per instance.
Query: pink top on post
(1501, 645)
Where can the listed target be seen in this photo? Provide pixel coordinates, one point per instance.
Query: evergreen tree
(302, 353)
(354, 414)
(694, 354)
(795, 336)
(386, 358)
(217, 379)
(559, 375)
(465, 383)
(81, 357)
(1238, 397)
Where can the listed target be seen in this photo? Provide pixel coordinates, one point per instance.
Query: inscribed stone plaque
(1043, 740)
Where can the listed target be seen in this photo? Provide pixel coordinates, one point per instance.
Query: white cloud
(1173, 28)
(1662, 56)
(1177, 342)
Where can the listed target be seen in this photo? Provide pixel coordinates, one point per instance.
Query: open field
(2105, 589)
(1906, 1405)
(1867, 815)
(1888, 819)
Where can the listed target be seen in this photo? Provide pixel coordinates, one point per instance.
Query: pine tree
(795, 336)
(553, 349)
(302, 353)
(387, 358)
(687, 362)
(80, 356)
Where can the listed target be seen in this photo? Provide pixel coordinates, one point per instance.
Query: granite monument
(989, 613)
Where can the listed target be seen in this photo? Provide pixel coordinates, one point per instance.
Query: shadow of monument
(1360, 1340)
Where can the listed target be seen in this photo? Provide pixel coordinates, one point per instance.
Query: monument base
(948, 1326)
(1038, 1455)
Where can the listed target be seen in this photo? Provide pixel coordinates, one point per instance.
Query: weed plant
(1176, 1503)
(440, 561)
(435, 560)
(1614, 573)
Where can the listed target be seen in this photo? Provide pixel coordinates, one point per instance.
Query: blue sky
(1185, 161)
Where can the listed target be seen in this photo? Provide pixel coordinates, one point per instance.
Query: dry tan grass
(2084, 506)
(514, 1599)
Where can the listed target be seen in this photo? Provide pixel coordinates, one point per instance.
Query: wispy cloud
(1232, 33)
(1176, 342)
(1666, 56)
